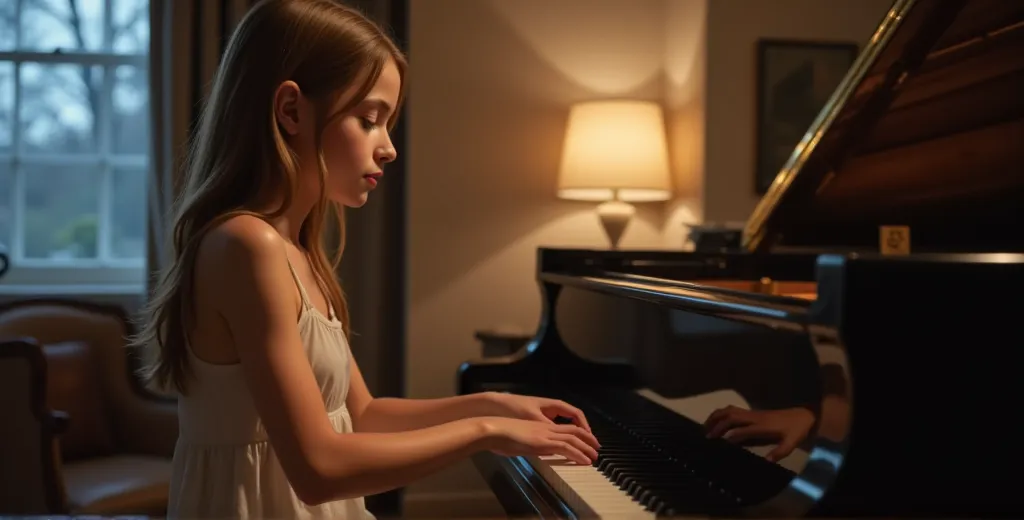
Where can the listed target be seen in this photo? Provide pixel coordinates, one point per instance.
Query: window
(74, 137)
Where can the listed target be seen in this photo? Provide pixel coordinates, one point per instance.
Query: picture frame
(794, 80)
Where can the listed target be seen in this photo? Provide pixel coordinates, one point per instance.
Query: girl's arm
(256, 298)
(389, 414)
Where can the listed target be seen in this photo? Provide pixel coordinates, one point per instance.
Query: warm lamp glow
(615, 150)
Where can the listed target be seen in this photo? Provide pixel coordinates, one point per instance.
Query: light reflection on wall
(641, 49)
(610, 47)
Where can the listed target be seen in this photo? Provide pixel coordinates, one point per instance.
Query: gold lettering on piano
(894, 240)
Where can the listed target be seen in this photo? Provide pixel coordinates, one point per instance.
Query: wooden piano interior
(945, 156)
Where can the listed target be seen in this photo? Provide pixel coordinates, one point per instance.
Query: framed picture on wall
(795, 78)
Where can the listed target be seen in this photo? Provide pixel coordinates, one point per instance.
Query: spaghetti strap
(306, 303)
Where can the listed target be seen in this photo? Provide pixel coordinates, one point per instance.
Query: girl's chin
(350, 201)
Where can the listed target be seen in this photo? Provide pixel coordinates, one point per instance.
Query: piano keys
(875, 294)
(654, 461)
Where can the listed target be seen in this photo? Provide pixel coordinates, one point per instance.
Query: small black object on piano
(715, 238)
(877, 286)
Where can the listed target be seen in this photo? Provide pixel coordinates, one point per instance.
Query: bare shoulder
(241, 238)
(243, 261)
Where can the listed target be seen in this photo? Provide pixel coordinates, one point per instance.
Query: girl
(252, 327)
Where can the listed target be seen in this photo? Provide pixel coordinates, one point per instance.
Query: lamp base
(615, 216)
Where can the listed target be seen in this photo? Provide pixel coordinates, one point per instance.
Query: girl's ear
(287, 101)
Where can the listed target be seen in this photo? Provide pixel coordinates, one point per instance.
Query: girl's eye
(367, 123)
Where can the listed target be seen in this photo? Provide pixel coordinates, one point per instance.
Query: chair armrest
(140, 422)
(31, 481)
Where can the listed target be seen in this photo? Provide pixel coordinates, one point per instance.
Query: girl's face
(356, 143)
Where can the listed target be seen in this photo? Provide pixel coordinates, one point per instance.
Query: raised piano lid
(925, 131)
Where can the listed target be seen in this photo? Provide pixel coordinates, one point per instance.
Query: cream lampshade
(615, 152)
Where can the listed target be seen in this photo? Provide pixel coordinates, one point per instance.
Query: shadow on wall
(490, 120)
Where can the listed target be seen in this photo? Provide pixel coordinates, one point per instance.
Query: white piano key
(604, 497)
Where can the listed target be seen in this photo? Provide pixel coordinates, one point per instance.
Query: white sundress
(224, 465)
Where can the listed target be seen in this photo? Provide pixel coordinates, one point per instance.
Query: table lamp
(616, 153)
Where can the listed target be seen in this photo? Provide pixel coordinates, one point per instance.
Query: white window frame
(105, 273)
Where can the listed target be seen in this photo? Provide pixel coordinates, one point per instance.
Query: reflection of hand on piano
(786, 428)
(517, 437)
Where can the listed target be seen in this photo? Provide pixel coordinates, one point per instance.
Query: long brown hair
(238, 150)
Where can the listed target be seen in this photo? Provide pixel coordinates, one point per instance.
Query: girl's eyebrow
(380, 104)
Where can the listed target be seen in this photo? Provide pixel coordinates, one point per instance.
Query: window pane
(131, 110)
(131, 26)
(61, 211)
(58, 107)
(70, 25)
(7, 24)
(129, 214)
(6, 104)
(6, 211)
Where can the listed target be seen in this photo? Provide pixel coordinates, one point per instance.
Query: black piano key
(641, 470)
(633, 482)
(663, 509)
(619, 463)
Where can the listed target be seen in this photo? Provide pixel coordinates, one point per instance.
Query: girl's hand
(518, 437)
(787, 428)
(537, 409)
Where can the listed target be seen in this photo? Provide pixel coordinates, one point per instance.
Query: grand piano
(878, 286)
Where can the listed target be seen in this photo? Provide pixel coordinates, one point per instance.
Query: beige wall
(492, 82)
(488, 108)
(733, 28)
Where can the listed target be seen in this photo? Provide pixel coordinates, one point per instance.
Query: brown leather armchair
(82, 434)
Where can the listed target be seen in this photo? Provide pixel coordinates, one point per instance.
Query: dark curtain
(187, 38)
(372, 271)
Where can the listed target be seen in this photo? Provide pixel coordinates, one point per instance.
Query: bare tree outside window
(74, 132)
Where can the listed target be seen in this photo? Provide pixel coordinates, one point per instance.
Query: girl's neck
(289, 223)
